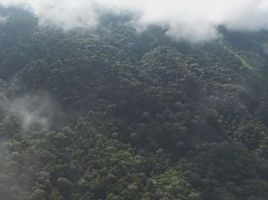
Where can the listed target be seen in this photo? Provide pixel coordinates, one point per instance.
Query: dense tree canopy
(119, 115)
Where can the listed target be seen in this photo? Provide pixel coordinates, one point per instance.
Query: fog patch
(189, 20)
(27, 113)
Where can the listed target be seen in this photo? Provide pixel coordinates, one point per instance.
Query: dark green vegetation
(139, 116)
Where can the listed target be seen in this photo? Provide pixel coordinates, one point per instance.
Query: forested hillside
(116, 114)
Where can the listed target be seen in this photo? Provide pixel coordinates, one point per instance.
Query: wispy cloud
(32, 112)
(184, 19)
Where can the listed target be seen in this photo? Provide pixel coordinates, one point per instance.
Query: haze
(184, 19)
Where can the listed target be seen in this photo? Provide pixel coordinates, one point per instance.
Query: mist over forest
(124, 100)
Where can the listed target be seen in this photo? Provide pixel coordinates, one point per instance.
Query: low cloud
(27, 113)
(184, 19)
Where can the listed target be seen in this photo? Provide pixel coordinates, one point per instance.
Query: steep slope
(134, 115)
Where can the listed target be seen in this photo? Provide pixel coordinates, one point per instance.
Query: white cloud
(185, 19)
